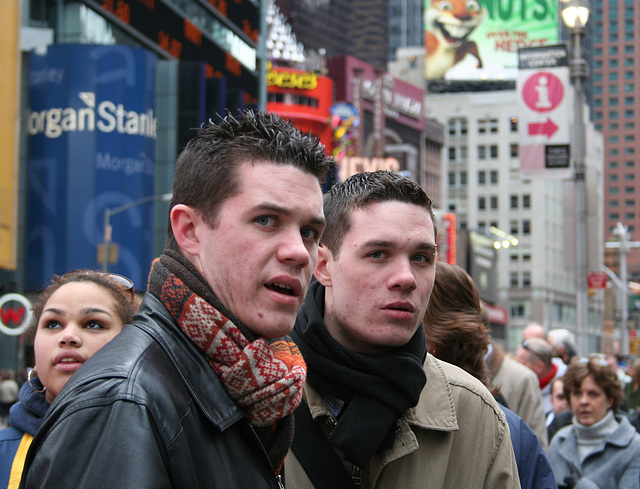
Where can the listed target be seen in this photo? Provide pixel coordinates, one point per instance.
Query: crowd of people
(290, 338)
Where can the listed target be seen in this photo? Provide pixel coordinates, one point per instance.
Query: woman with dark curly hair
(456, 333)
(599, 450)
(72, 319)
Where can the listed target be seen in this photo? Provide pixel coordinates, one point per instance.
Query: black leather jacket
(147, 411)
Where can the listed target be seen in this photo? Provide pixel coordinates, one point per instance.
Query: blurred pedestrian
(457, 334)
(537, 354)
(380, 411)
(198, 392)
(564, 343)
(518, 386)
(561, 414)
(8, 394)
(72, 319)
(600, 449)
(632, 389)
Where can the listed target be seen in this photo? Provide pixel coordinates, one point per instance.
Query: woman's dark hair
(122, 294)
(453, 322)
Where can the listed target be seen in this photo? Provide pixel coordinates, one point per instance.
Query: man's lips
(286, 288)
(399, 310)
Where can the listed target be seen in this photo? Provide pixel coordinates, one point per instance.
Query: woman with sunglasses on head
(600, 449)
(72, 319)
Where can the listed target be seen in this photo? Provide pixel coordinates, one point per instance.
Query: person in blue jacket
(456, 334)
(73, 318)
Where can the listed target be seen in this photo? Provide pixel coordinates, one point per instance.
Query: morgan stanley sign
(91, 128)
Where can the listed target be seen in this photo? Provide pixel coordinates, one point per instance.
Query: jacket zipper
(264, 451)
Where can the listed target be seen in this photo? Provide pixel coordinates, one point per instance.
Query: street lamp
(575, 14)
(623, 244)
(108, 229)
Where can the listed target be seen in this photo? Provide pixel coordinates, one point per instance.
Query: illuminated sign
(291, 79)
(91, 136)
(112, 117)
(479, 39)
(211, 41)
(358, 164)
(15, 314)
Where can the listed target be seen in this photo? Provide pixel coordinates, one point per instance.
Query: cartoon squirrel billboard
(448, 25)
(479, 39)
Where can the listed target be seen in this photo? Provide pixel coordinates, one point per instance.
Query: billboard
(479, 39)
(91, 129)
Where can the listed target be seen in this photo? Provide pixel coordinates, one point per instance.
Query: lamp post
(575, 14)
(623, 244)
(108, 229)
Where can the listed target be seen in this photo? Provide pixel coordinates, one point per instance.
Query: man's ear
(324, 266)
(184, 223)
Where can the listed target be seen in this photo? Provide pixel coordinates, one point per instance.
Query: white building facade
(485, 188)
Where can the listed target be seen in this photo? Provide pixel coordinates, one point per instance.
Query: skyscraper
(615, 99)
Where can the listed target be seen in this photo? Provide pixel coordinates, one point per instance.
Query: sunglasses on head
(124, 282)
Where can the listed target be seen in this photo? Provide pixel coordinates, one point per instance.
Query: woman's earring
(32, 386)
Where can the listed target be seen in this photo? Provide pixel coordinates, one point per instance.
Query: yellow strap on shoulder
(18, 461)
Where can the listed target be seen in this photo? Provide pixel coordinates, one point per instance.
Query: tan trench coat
(457, 437)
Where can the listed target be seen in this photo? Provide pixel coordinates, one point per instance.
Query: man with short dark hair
(379, 411)
(199, 391)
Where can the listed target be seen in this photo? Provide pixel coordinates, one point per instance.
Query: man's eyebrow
(382, 243)
(286, 211)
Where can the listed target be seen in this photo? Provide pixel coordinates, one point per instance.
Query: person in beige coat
(519, 387)
(379, 411)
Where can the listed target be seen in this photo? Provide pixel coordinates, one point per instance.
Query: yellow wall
(9, 130)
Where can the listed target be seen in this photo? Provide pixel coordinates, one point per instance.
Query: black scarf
(377, 389)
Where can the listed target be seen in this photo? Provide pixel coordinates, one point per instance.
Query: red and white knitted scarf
(264, 376)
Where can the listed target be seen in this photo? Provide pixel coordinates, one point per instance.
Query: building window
(513, 227)
(513, 148)
(526, 201)
(452, 153)
(517, 309)
(526, 227)
(457, 127)
(513, 280)
(482, 177)
(494, 202)
(463, 178)
(514, 124)
(482, 152)
(526, 279)
(463, 153)
(493, 151)
(514, 201)
(493, 126)
(493, 177)
(452, 179)
(482, 126)
(482, 203)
